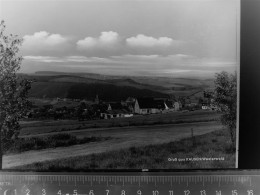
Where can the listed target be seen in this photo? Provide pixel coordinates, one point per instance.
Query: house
(205, 106)
(149, 106)
(115, 114)
(169, 106)
(129, 103)
(115, 110)
(99, 108)
(177, 106)
(193, 100)
(130, 100)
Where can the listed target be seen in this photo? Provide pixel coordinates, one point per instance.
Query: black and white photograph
(119, 84)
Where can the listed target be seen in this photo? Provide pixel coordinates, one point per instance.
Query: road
(122, 138)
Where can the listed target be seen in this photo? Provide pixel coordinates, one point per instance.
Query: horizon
(55, 73)
(171, 38)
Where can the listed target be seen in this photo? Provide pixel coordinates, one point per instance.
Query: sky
(173, 38)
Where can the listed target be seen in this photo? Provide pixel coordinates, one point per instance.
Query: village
(118, 85)
(64, 108)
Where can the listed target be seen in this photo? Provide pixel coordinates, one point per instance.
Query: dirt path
(124, 138)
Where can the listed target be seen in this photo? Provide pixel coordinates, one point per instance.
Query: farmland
(47, 126)
(126, 137)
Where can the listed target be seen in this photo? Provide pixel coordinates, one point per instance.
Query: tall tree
(225, 98)
(13, 89)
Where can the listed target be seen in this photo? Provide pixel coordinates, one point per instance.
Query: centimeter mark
(127, 179)
(139, 183)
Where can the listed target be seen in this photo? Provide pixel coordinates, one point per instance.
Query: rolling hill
(88, 85)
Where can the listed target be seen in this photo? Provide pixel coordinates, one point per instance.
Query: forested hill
(87, 86)
(106, 92)
(109, 92)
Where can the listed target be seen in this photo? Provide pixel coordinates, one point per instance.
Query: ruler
(129, 183)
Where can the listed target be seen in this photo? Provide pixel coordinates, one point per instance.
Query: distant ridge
(50, 73)
(87, 85)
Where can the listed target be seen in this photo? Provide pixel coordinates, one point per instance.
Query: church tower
(96, 100)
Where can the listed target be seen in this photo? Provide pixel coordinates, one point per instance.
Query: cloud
(82, 59)
(147, 41)
(151, 59)
(106, 39)
(160, 65)
(68, 59)
(44, 41)
(88, 42)
(110, 43)
(135, 57)
(46, 59)
(174, 60)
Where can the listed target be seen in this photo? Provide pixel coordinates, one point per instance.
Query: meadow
(53, 141)
(48, 126)
(214, 145)
(140, 138)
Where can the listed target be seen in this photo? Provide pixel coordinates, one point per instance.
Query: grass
(138, 120)
(53, 141)
(211, 145)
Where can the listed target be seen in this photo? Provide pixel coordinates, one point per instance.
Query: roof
(132, 104)
(150, 103)
(116, 105)
(130, 99)
(101, 107)
(169, 103)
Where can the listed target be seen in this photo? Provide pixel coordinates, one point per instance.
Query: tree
(13, 89)
(225, 98)
(80, 111)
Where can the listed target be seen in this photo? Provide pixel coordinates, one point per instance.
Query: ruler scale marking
(148, 184)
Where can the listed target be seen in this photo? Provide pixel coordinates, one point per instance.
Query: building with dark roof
(149, 106)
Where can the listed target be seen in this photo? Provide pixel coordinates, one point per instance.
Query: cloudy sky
(184, 38)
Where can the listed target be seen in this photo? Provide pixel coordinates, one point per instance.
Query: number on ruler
(139, 192)
(171, 192)
(43, 192)
(27, 191)
(218, 192)
(234, 192)
(107, 191)
(156, 192)
(75, 192)
(250, 192)
(91, 192)
(123, 192)
(203, 192)
(59, 192)
(186, 192)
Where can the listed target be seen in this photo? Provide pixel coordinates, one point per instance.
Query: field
(48, 126)
(44, 142)
(180, 154)
(123, 138)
